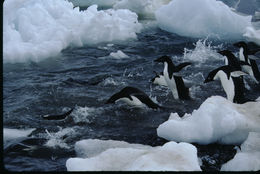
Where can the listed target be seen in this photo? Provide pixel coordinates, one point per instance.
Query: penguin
(134, 97)
(159, 79)
(174, 82)
(57, 117)
(244, 55)
(231, 82)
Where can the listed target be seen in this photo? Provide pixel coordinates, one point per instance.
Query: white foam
(248, 159)
(144, 8)
(216, 120)
(84, 114)
(202, 18)
(35, 29)
(118, 55)
(101, 155)
(202, 52)
(12, 134)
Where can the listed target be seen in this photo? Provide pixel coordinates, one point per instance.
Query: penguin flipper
(182, 65)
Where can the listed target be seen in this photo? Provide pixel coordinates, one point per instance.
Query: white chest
(227, 84)
(134, 102)
(170, 82)
(241, 54)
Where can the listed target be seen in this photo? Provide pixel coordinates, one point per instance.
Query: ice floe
(248, 159)
(35, 29)
(102, 155)
(202, 18)
(216, 120)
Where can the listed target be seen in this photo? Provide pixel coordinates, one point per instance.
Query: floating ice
(36, 29)
(101, 155)
(216, 120)
(118, 55)
(252, 35)
(202, 18)
(248, 159)
(12, 134)
(144, 8)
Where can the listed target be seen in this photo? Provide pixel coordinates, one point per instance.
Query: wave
(35, 29)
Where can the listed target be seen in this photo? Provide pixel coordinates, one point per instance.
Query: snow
(37, 29)
(216, 120)
(109, 155)
(248, 159)
(12, 134)
(100, 3)
(202, 18)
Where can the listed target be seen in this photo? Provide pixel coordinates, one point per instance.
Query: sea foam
(36, 29)
(202, 18)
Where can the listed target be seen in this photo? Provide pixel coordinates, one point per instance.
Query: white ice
(252, 35)
(102, 155)
(118, 55)
(144, 8)
(202, 18)
(12, 134)
(100, 3)
(248, 159)
(216, 120)
(36, 29)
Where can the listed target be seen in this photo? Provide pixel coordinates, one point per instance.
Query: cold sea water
(84, 77)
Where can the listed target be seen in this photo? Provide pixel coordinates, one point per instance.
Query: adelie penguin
(231, 82)
(58, 116)
(174, 82)
(244, 55)
(134, 97)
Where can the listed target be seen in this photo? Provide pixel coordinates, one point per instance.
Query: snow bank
(37, 29)
(100, 155)
(248, 159)
(12, 134)
(144, 8)
(216, 120)
(202, 18)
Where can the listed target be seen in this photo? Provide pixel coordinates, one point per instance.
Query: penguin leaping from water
(134, 97)
(231, 82)
(244, 55)
(174, 82)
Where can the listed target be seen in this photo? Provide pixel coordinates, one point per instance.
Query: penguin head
(225, 53)
(240, 44)
(163, 59)
(156, 76)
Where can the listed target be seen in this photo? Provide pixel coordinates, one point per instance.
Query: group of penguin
(230, 76)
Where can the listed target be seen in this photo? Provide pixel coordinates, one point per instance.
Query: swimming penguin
(244, 55)
(133, 96)
(174, 82)
(231, 82)
(159, 79)
(57, 117)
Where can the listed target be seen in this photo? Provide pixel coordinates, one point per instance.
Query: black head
(211, 76)
(225, 53)
(125, 92)
(163, 59)
(240, 44)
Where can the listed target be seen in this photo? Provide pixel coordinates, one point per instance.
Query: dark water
(85, 78)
